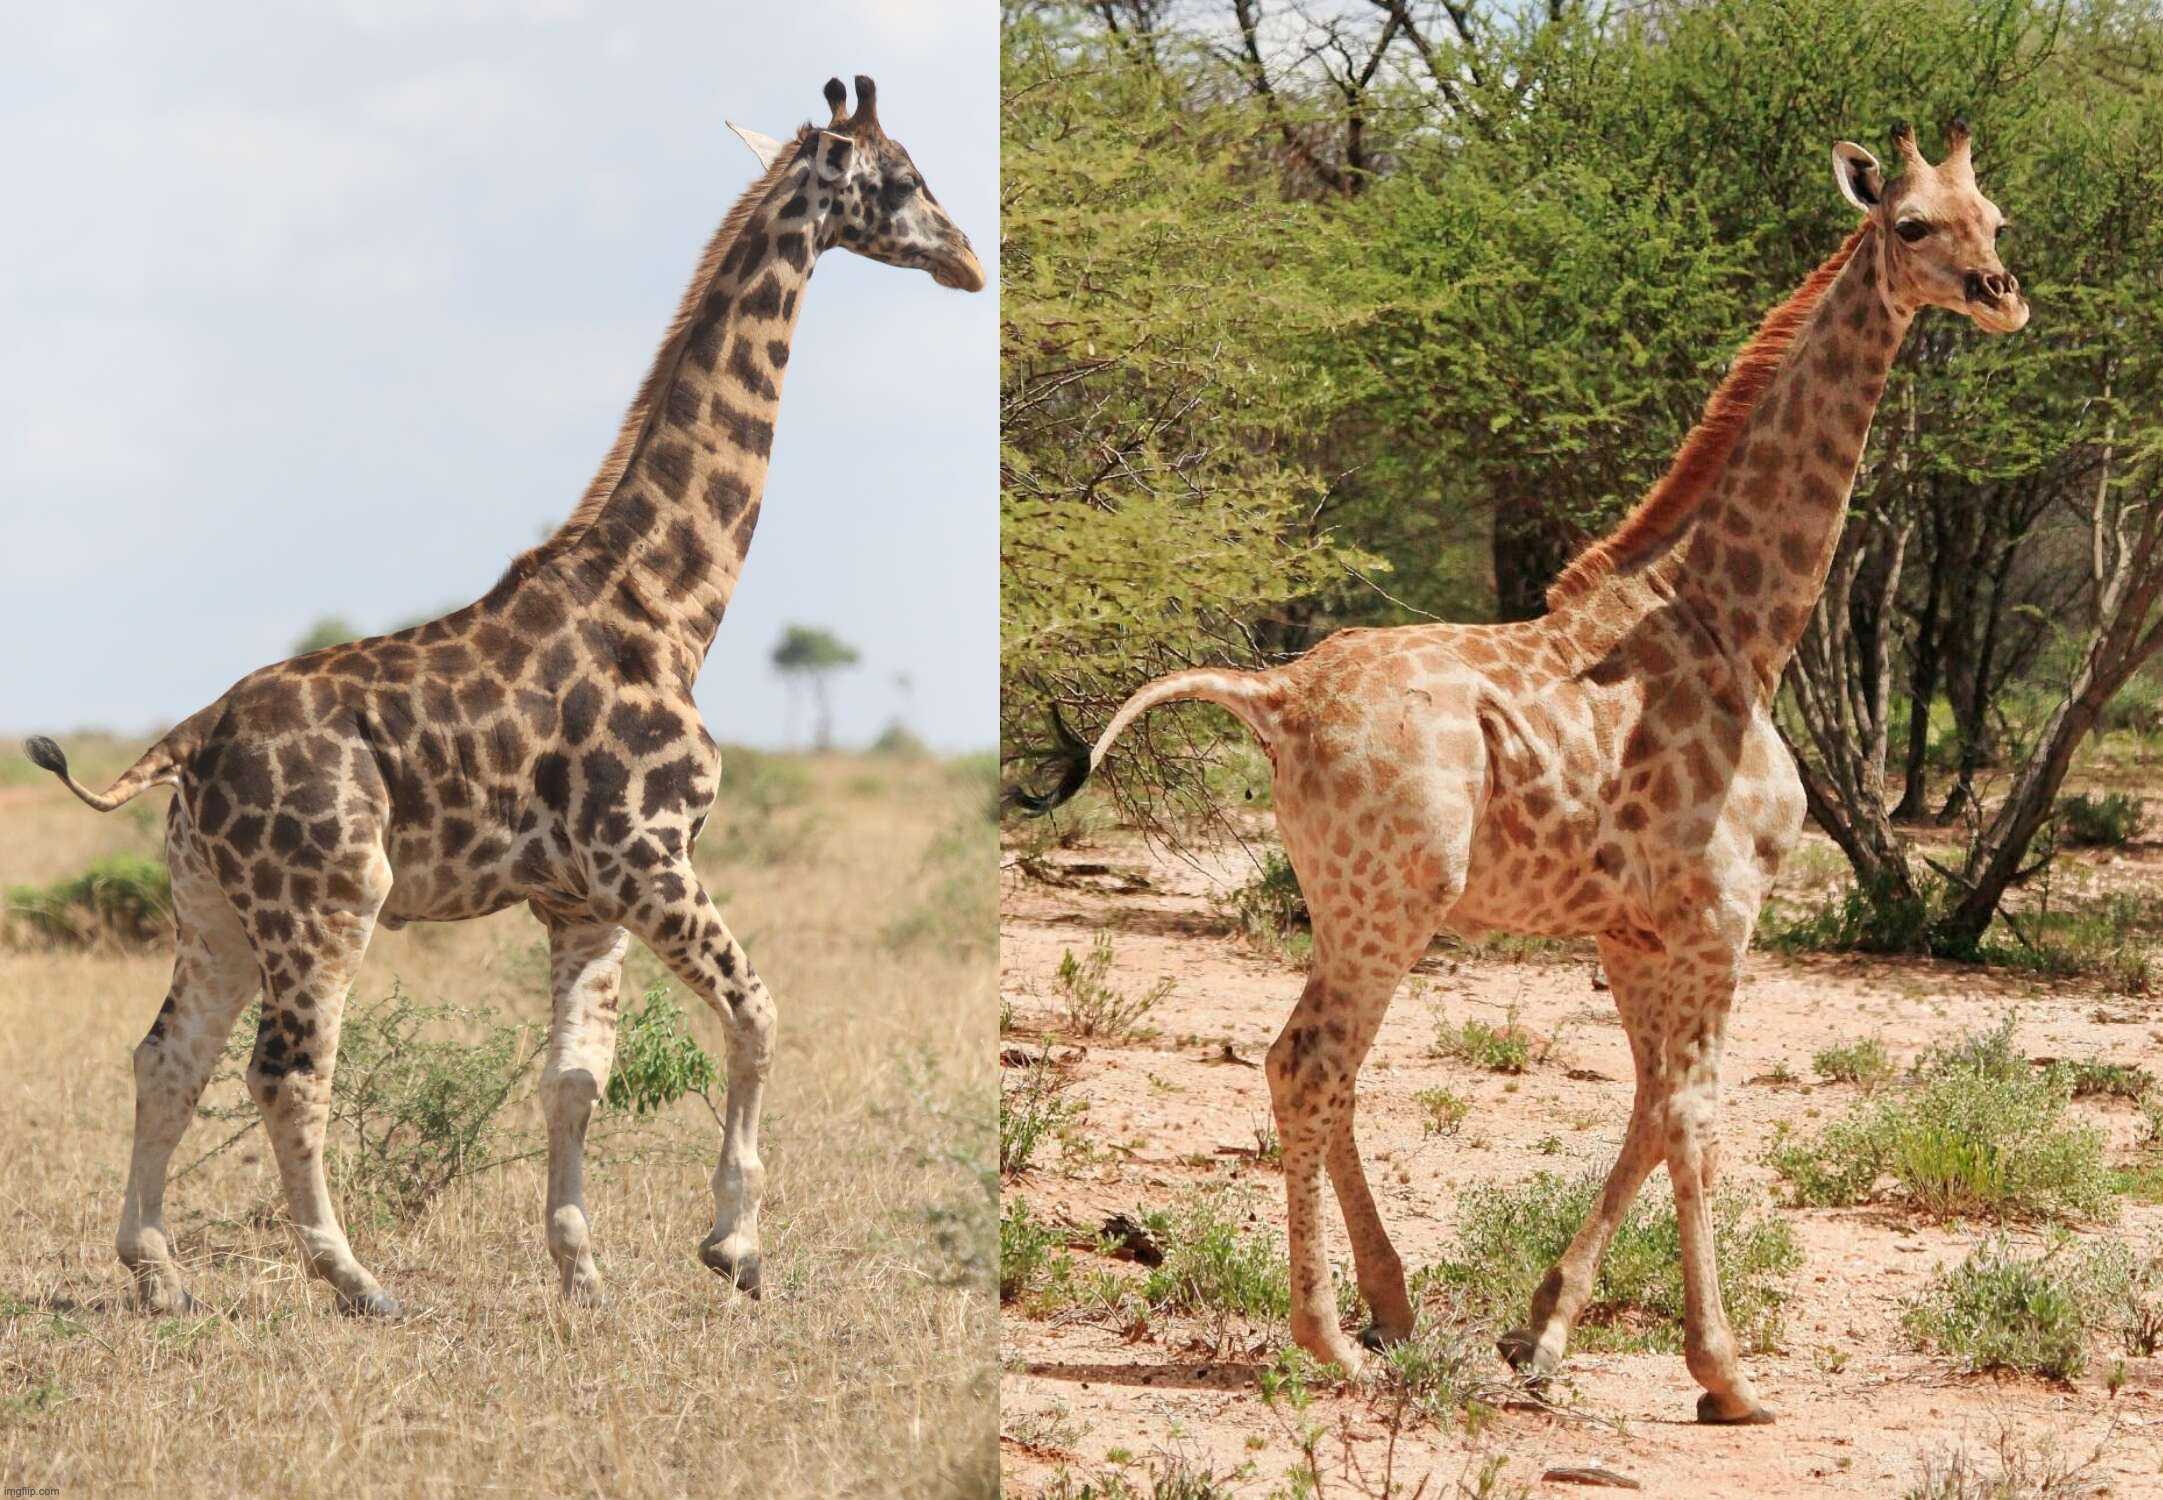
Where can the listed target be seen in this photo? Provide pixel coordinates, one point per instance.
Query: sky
(331, 308)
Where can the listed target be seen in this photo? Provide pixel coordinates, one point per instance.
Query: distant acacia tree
(810, 656)
(328, 630)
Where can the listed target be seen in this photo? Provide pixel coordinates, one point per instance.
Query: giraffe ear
(764, 147)
(1857, 173)
(835, 152)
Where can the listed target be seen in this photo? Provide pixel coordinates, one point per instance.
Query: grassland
(864, 889)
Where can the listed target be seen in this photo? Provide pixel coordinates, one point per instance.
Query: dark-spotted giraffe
(539, 746)
(1609, 770)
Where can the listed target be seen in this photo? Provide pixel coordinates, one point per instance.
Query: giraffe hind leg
(214, 978)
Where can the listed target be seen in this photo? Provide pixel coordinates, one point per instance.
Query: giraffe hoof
(1377, 1338)
(1519, 1347)
(1709, 1412)
(377, 1304)
(742, 1270)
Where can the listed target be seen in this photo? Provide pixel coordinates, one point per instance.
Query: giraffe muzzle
(959, 269)
(1995, 301)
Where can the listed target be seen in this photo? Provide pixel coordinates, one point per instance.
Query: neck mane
(640, 421)
(1673, 504)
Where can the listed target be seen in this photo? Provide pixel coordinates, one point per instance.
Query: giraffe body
(1610, 770)
(540, 746)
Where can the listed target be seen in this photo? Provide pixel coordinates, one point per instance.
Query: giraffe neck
(1756, 560)
(657, 554)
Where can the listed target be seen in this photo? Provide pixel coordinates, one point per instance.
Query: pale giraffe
(539, 746)
(1609, 770)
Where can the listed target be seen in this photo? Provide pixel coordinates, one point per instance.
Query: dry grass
(868, 1369)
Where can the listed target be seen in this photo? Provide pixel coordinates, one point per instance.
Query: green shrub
(1093, 1007)
(124, 900)
(1861, 919)
(658, 1061)
(1271, 909)
(1981, 1133)
(1508, 1237)
(1026, 1244)
(2107, 821)
(414, 1108)
(1865, 1062)
(2095, 1077)
(1030, 1111)
(1499, 1049)
(1212, 1263)
(1999, 1310)
(1441, 1111)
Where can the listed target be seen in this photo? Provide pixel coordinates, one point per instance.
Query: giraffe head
(1939, 234)
(868, 195)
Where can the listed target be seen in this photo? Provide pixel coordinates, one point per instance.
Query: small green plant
(1171, 1479)
(1093, 1007)
(1999, 1310)
(1032, 1110)
(1212, 1263)
(1980, 1133)
(418, 1100)
(1026, 1244)
(2087, 821)
(658, 1061)
(1271, 910)
(122, 900)
(1499, 1049)
(2096, 1078)
(1441, 1111)
(1865, 1062)
(1509, 1236)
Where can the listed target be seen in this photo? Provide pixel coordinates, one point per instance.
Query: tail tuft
(1071, 753)
(45, 754)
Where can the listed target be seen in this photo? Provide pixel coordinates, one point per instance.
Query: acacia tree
(811, 656)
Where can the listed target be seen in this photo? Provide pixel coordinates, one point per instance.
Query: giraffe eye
(1912, 230)
(1999, 234)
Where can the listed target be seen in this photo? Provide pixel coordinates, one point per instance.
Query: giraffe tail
(160, 765)
(1242, 694)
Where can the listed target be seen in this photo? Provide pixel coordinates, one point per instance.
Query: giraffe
(539, 746)
(1608, 770)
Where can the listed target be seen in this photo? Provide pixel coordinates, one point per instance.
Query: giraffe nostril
(1981, 288)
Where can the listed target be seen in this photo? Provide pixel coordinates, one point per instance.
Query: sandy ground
(1858, 1411)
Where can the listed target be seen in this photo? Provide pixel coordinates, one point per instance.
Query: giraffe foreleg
(1636, 978)
(1709, 953)
(586, 975)
(689, 936)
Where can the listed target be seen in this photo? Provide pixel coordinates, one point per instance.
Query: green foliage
(1499, 1049)
(1864, 917)
(1214, 1262)
(1025, 1248)
(1979, 1134)
(2099, 821)
(2096, 1077)
(1157, 323)
(1032, 1110)
(810, 651)
(2000, 1310)
(1093, 1006)
(418, 1100)
(1442, 1112)
(327, 631)
(1271, 910)
(1508, 1238)
(658, 1061)
(1865, 1062)
(125, 900)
